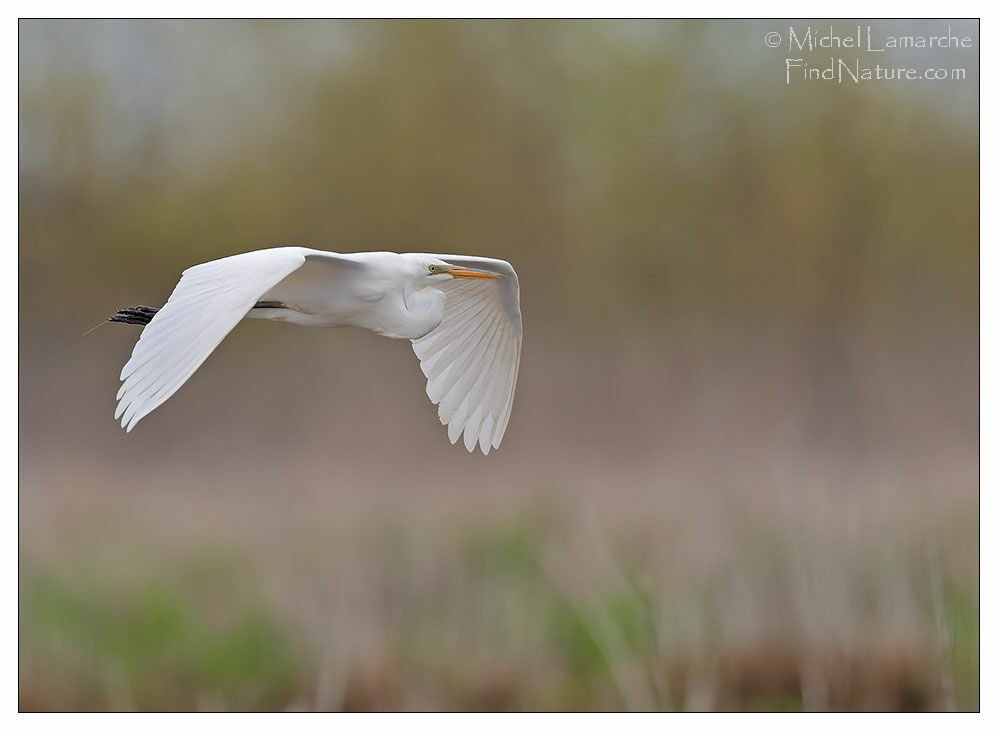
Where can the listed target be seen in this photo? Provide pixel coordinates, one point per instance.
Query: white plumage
(461, 313)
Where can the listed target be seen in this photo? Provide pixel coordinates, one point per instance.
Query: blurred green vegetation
(961, 621)
(159, 647)
(496, 630)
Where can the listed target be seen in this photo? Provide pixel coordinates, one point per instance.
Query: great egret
(461, 313)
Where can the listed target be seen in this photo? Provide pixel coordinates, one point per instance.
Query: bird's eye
(433, 268)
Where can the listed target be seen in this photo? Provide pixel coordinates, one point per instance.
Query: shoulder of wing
(507, 289)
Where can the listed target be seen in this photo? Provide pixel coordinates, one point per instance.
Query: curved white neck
(424, 310)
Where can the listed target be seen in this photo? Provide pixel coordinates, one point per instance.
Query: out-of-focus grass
(152, 646)
(961, 618)
(507, 614)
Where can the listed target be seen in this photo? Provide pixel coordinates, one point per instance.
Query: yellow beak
(463, 272)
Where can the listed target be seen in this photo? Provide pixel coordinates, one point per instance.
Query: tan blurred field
(742, 467)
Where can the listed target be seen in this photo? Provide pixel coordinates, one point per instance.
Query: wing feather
(472, 358)
(496, 384)
(468, 364)
(461, 327)
(206, 304)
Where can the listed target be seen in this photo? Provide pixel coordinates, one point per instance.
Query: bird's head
(438, 270)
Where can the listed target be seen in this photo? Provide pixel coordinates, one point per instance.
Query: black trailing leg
(142, 314)
(138, 315)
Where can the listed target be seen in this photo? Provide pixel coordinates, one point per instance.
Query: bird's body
(461, 313)
(330, 294)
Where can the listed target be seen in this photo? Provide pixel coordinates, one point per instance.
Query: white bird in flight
(461, 313)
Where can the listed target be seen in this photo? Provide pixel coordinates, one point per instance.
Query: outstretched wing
(206, 304)
(471, 359)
